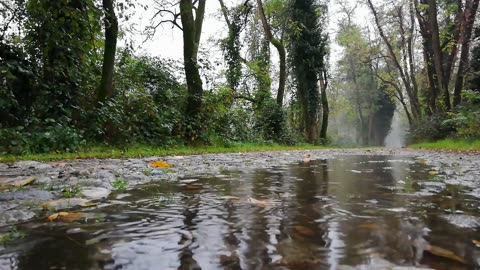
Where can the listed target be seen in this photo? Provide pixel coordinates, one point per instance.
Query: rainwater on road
(347, 212)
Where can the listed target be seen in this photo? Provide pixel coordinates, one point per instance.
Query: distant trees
(429, 87)
(399, 55)
(370, 99)
(446, 30)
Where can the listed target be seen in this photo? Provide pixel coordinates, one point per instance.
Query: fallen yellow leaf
(476, 242)
(441, 252)
(10, 183)
(88, 204)
(432, 172)
(66, 216)
(160, 164)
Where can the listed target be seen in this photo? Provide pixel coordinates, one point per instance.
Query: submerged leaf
(160, 164)
(67, 203)
(304, 231)
(260, 203)
(16, 182)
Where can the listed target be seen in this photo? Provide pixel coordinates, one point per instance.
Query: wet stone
(156, 173)
(95, 193)
(7, 206)
(12, 216)
(43, 180)
(32, 194)
(103, 175)
(35, 165)
(463, 221)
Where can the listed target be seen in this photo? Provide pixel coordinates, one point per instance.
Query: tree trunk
(281, 53)
(468, 20)
(111, 33)
(325, 108)
(437, 54)
(192, 28)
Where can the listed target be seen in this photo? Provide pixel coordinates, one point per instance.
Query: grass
(11, 235)
(450, 144)
(145, 151)
(120, 185)
(71, 191)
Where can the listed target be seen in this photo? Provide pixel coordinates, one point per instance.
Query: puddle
(354, 212)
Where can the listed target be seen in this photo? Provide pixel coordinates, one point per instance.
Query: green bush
(466, 118)
(13, 141)
(54, 136)
(271, 123)
(432, 128)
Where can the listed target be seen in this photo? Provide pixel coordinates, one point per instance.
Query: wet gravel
(94, 179)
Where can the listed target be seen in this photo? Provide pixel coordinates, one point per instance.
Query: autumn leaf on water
(260, 203)
(66, 216)
(160, 164)
(67, 203)
(16, 182)
(304, 231)
(441, 252)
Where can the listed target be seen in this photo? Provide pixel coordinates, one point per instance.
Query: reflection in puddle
(354, 212)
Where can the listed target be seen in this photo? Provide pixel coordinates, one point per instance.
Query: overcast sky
(167, 41)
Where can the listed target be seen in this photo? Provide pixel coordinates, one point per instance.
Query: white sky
(168, 43)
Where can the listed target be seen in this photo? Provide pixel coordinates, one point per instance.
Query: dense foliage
(65, 84)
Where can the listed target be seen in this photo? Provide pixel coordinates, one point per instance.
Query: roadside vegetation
(66, 82)
(450, 144)
(138, 151)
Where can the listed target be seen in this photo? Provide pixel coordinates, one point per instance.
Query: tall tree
(468, 20)
(308, 52)
(446, 28)
(191, 14)
(192, 31)
(61, 36)
(236, 20)
(279, 45)
(111, 34)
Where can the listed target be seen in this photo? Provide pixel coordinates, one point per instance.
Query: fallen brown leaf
(444, 253)
(16, 182)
